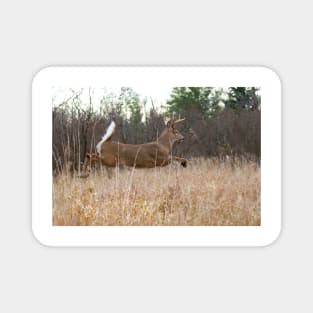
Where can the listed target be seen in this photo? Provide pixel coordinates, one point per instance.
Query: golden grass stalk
(207, 192)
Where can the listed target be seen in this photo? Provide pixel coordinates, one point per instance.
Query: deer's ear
(167, 121)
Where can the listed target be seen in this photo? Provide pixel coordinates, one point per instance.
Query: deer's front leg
(182, 161)
(166, 162)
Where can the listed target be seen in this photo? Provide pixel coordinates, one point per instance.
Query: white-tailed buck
(147, 155)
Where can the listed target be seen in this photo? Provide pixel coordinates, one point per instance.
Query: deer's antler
(178, 121)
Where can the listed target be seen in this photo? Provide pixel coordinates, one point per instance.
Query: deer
(147, 155)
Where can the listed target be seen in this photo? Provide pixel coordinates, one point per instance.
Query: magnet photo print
(156, 156)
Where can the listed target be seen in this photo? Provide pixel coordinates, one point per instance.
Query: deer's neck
(165, 141)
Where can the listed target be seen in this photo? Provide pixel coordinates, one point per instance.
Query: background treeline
(219, 123)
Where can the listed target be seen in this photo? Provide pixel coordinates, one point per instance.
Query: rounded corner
(38, 239)
(274, 238)
(41, 74)
(271, 73)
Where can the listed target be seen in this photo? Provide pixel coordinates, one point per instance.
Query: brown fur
(147, 155)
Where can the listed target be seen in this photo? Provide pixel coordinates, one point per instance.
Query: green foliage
(188, 97)
(243, 98)
(125, 104)
(136, 115)
(132, 102)
(203, 99)
(207, 99)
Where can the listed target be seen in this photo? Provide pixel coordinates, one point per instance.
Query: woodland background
(220, 123)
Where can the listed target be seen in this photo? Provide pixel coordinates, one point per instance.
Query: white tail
(109, 132)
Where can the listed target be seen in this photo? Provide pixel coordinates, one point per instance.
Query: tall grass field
(209, 192)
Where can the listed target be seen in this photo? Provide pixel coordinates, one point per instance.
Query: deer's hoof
(184, 164)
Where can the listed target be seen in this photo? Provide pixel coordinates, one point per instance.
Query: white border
(262, 235)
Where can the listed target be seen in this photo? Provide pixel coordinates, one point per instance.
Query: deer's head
(172, 133)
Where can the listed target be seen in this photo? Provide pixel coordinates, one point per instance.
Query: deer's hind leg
(105, 170)
(90, 160)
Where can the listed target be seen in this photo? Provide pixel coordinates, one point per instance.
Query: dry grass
(208, 192)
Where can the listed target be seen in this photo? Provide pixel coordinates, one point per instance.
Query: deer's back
(144, 155)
